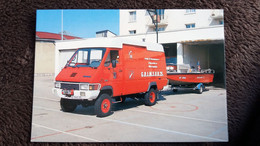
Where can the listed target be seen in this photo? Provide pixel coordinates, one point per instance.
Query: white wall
(175, 20)
(178, 18)
(125, 25)
(195, 53)
(180, 56)
(105, 34)
(110, 34)
(184, 35)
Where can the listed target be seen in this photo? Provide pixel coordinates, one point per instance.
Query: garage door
(210, 55)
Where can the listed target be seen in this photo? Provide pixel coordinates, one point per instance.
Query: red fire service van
(103, 69)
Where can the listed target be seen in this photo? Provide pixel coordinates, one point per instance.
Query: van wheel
(150, 97)
(67, 105)
(103, 105)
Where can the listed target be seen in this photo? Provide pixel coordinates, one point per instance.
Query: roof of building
(53, 36)
(105, 43)
(103, 31)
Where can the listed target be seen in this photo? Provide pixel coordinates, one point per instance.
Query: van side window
(113, 55)
(107, 61)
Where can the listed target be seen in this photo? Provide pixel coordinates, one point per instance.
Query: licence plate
(67, 92)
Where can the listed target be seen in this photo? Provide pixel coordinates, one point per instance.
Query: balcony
(162, 20)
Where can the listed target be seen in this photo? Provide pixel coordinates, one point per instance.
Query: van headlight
(83, 86)
(90, 86)
(57, 84)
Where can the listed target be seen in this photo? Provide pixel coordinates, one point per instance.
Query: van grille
(69, 86)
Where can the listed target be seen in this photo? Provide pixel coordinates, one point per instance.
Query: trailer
(187, 77)
(195, 81)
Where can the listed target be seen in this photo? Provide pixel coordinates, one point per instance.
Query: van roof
(105, 43)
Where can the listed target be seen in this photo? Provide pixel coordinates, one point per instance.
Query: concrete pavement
(184, 116)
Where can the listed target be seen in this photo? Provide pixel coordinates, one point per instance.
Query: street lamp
(152, 13)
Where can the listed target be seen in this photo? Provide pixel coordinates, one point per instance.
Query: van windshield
(90, 57)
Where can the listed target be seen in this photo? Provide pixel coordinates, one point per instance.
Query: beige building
(44, 58)
(45, 52)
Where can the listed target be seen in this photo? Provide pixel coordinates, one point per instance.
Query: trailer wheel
(200, 90)
(67, 105)
(103, 105)
(150, 97)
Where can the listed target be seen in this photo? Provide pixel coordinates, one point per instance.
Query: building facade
(190, 35)
(105, 33)
(140, 22)
(45, 52)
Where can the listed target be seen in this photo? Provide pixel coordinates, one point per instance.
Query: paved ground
(177, 117)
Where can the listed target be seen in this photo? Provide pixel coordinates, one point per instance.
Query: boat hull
(189, 78)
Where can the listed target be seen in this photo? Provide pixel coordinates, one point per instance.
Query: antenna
(62, 24)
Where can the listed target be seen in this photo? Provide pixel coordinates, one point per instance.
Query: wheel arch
(107, 90)
(152, 85)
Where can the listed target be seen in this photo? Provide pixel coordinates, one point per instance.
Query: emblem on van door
(131, 74)
(130, 54)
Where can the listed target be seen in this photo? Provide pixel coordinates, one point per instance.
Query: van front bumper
(78, 94)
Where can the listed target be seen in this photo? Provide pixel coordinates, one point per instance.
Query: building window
(132, 31)
(188, 11)
(160, 13)
(103, 34)
(192, 25)
(132, 16)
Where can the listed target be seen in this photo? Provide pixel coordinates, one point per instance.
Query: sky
(80, 23)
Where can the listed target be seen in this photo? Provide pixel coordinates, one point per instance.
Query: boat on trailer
(188, 77)
(191, 80)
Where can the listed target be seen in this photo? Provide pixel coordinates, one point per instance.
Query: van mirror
(113, 63)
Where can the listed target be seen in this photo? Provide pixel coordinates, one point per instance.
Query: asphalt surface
(184, 116)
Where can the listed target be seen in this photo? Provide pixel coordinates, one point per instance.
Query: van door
(114, 75)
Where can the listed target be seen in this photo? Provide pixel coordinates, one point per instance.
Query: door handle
(119, 70)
